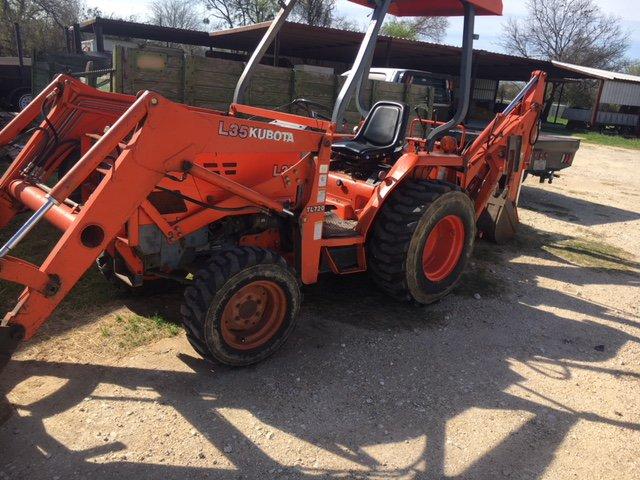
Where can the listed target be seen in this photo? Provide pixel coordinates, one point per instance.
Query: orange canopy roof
(437, 8)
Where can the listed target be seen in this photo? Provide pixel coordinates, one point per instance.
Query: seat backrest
(384, 124)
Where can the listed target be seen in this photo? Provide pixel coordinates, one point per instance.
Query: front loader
(242, 206)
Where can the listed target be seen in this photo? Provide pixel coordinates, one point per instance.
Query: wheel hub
(443, 248)
(253, 315)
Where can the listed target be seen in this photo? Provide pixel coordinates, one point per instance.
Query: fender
(403, 168)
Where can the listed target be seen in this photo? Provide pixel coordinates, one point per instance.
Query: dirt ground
(530, 370)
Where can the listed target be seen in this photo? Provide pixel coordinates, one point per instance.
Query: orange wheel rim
(443, 248)
(253, 315)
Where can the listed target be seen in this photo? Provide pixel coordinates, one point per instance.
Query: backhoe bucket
(499, 221)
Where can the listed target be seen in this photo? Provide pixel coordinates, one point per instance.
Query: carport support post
(97, 31)
(16, 27)
(596, 106)
(276, 50)
(68, 39)
(77, 40)
(555, 119)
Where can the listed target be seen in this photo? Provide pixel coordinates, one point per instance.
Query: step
(336, 227)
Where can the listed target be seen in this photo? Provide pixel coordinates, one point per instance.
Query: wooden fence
(210, 82)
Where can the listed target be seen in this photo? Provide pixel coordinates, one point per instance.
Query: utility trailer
(15, 83)
(245, 205)
(623, 123)
(551, 154)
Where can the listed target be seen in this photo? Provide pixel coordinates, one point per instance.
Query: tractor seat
(381, 133)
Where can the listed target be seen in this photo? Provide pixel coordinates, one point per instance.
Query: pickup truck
(551, 153)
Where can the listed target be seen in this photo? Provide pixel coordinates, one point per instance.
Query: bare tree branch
(315, 12)
(574, 31)
(42, 22)
(234, 13)
(175, 13)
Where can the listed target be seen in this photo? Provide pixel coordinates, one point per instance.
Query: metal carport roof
(125, 29)
(334, 45)
(598, 73)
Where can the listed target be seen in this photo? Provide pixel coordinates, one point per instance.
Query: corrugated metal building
(614, 89)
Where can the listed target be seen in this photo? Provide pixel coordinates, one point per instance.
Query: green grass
(584, 251)
(561, 122)
(609, 140)
(88, 309)
(593, 254)
(128, 331)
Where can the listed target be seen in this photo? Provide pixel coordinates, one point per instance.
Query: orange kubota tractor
(246, 204)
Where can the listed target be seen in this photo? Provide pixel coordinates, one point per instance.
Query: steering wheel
(310, 107)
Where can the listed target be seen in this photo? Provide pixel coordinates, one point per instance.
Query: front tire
(241, 307)
(422, 241)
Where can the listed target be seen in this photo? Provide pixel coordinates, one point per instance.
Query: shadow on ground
(572, 209)
(324, 386)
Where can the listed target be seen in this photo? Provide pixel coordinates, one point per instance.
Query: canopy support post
(464, 91)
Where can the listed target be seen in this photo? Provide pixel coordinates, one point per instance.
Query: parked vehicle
(621, 122)
(15, 83)
(441, 84)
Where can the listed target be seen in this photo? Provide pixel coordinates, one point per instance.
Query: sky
(488, 28)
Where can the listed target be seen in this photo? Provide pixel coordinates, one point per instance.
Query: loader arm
(89, 228)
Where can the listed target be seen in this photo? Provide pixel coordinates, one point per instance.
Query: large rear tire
(241, 307)
(422, 241)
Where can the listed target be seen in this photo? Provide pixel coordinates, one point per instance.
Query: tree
(426, 28)
(175, 13)
(95, 12)
(42, 23)
(344, 23)
(235, 13)
(634, 68)
(574, 31)
(315, 12)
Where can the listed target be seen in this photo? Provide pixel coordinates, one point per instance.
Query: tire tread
(393, 230)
